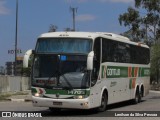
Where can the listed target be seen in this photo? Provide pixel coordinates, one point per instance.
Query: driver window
(96, 62)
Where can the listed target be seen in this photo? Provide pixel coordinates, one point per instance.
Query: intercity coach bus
(84, 70)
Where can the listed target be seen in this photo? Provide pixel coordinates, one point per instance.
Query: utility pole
(16, 32)
(73, 10)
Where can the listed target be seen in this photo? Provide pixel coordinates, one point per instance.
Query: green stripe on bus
(123, 72)
(144, 72)
(63, 92)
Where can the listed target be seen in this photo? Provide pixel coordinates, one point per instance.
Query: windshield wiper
(69, 84)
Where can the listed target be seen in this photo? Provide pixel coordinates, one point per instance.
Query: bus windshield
(62, 71)
(63, 45)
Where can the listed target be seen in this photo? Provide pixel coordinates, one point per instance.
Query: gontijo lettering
(111, 72)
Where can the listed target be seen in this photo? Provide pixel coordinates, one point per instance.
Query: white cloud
(85, 17)
(3, 9)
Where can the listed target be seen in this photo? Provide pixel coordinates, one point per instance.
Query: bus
(85, 70)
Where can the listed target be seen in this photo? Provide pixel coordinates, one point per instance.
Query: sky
(36, 16)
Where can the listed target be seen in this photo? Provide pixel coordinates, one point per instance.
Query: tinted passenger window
(115, 51)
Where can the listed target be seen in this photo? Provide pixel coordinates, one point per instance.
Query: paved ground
(149, 103)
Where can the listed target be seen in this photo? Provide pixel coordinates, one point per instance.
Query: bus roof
(92, 35)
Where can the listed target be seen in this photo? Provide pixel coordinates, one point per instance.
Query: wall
(14, 83)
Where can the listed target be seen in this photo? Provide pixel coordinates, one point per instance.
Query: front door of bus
(95, 88)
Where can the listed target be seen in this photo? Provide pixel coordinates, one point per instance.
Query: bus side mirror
(27, 58)
(90, 61)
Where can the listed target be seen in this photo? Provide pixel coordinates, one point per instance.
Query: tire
(104, 101)
(54, 109)
(138, 97)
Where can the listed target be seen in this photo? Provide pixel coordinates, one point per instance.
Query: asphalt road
(150, 103)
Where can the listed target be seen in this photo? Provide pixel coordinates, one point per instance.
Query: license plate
(57, 103)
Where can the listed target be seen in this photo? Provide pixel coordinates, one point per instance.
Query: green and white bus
(84, 70)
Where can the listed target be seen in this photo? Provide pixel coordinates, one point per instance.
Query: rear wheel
(138, 96)
(104, 101)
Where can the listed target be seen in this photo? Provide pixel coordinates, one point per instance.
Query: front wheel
(54, 109)
(104, 101)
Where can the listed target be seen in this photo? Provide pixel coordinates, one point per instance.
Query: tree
(52, 28)
(132, 20)
(144, 27)
(155, 62)
(27, 71)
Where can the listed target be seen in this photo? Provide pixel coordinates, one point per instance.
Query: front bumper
(65, 103)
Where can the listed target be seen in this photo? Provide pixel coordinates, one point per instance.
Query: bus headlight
(38, 95)
(80, 97)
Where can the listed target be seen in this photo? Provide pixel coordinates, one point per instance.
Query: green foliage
(142, 27)
(4, 96)
(27, 71)
(155, 61)
(149, 5)
(132, 20)
(53, 28)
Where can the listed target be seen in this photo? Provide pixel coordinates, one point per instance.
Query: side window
(106, 50)
(109, 51)
(123, 52)
(114, 51)
(139, 55)
(147, 55)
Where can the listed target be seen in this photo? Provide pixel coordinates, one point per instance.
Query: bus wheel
(140, 96)
(104, 101)
(137, 98)
(54, 109)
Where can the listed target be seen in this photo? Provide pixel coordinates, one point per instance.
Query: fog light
(84, 104)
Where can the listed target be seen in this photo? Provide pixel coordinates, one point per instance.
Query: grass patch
(20, 93)
(5, 96)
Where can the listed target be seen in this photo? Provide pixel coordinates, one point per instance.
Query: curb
(20, 100)
(17, 100)
(154, 91)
